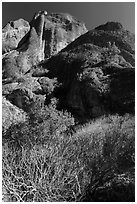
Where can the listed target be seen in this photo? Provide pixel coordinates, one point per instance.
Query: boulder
(24, 98)
(11, 114)
(28, 82)
(12, 33)
(9, 88)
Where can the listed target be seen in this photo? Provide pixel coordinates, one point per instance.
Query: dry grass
(86, 165)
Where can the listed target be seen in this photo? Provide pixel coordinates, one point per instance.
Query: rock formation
(110, 32)
(12, 33)
(96, 76)
(11, 114)
(91, 73)
(48, 34)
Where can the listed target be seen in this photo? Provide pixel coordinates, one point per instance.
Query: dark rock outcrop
(96, 78)
(111, 32)
(110, 26)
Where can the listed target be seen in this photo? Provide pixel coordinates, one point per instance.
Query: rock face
(91, 73)
(48, 35)
(56, 31)
(12, 33)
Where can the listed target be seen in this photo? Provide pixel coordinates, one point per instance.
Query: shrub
(44, 122)
(111, 139)
(79, 166)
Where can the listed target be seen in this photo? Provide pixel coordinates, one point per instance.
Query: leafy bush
(88, 164)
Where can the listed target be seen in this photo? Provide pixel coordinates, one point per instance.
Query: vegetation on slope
(93, 80)
(49, 156)
(50, 159)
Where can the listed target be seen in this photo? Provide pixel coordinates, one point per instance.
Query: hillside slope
(68, 111)
(91, 73)
(96, 72)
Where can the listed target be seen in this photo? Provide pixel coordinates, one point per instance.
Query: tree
(111, 51)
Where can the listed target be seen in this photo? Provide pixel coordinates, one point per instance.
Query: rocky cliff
(91, 73)
(47, 35)
(12, 33)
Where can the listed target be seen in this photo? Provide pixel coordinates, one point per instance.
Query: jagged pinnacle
(40, 13)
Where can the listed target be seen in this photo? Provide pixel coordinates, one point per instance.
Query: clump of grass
(89, 164)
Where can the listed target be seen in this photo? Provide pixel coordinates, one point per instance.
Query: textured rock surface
(8, 88)
(47, 36)
(11, 114)
(25, 94)
(110, 26)
(30, 83)
(24, 98)
(90, 76)
(56, 31)
(12, 33)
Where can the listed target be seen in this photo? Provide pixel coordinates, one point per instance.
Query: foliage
(43, 123)
(111, 51)
(87, 164)
(48, 85)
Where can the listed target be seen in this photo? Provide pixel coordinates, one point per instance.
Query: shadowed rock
(111, 33)
(110, 26)
(95, 77)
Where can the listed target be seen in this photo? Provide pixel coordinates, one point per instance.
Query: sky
(92, 14)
